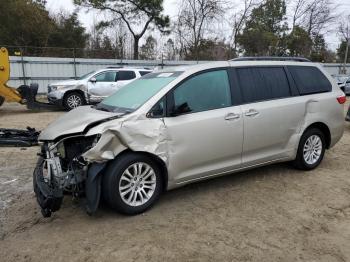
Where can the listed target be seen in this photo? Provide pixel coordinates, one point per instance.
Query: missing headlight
(76, 146)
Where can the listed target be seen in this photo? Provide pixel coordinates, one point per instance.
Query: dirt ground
(273, 213)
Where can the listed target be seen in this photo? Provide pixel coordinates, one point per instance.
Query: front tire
(73, 100)
(132, 183)
(312, 147)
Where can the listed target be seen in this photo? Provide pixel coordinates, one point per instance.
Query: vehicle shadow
(236, 181)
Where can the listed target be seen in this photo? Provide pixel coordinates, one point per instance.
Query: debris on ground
(19, 137)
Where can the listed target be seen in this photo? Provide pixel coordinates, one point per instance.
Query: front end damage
(77, 147)
(62, 169)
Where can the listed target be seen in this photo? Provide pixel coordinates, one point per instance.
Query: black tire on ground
(73, 100)
(112, 181)
(300, 161)
(2, 100)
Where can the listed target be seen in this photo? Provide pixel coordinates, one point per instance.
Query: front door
(205, 130)
(102, 85)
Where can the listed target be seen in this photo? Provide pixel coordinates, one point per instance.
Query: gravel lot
(273, 213)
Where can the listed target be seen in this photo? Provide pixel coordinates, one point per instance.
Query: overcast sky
(170, 8)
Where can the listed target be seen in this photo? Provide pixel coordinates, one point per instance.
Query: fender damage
(76, 160)
(136, 133)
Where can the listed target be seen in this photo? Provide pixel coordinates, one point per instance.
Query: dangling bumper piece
(49, 197)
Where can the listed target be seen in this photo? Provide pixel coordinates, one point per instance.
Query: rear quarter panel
(324, 108)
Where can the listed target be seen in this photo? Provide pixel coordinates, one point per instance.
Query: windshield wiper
(102, 108)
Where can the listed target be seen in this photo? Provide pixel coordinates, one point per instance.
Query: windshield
(132, 96)
(86, 75)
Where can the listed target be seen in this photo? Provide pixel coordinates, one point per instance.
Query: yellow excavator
(24, 94)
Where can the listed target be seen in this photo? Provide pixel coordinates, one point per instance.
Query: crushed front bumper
(55, 98)
(48, 197)
(51, 179)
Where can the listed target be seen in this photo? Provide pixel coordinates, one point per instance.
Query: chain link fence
(51, 64)
(61, 52)
(44, 65)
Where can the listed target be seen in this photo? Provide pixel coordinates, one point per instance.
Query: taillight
(341, 99)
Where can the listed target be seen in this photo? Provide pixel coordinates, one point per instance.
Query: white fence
(45, 70)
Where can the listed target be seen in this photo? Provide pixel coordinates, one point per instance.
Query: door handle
(251, 112)
(232, 116)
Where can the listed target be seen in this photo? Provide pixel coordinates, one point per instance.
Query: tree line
(139, 28)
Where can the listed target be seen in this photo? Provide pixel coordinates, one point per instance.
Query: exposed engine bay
(61, 168)
(77, 148)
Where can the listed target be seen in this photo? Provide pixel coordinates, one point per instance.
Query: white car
(93, 87)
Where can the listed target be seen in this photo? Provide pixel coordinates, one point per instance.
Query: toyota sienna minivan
(173, 127)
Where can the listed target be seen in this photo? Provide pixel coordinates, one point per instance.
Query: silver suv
(171, 128)
(343, 82)
(92, 87)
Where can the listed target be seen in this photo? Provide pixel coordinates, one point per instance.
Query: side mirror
(181, 109)
(155, 113)
(93, 80)
(157, 110)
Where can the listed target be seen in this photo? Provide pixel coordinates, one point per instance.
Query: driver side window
(109, 76)
(203, 92)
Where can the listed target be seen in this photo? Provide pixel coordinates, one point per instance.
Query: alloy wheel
(137, 184)
(312, 149)
(74, 101)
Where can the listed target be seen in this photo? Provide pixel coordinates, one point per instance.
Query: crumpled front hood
(75, 122)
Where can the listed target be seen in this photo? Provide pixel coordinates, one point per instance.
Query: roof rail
(115, 67)
(271, 58)
(139, 68)
(142, 68)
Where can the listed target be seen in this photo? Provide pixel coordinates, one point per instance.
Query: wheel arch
(324, 129)
(161, 164)
(80, 92)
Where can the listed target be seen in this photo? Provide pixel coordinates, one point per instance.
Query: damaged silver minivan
(174, 127)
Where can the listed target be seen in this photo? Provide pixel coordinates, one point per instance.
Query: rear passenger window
(207, 91)
(309, 80)
(126, 75)
(263, 83)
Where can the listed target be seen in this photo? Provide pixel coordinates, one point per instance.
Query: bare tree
(169, 49)
(193, 20)
(238, 21)
(138, 15)
(299, 10)
(319, 15)
(313, 15)
(344, 28)
(344, 31)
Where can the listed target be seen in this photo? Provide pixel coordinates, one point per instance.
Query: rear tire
(312, 147)
(132, 183)
(2, 100)
(73, 100)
